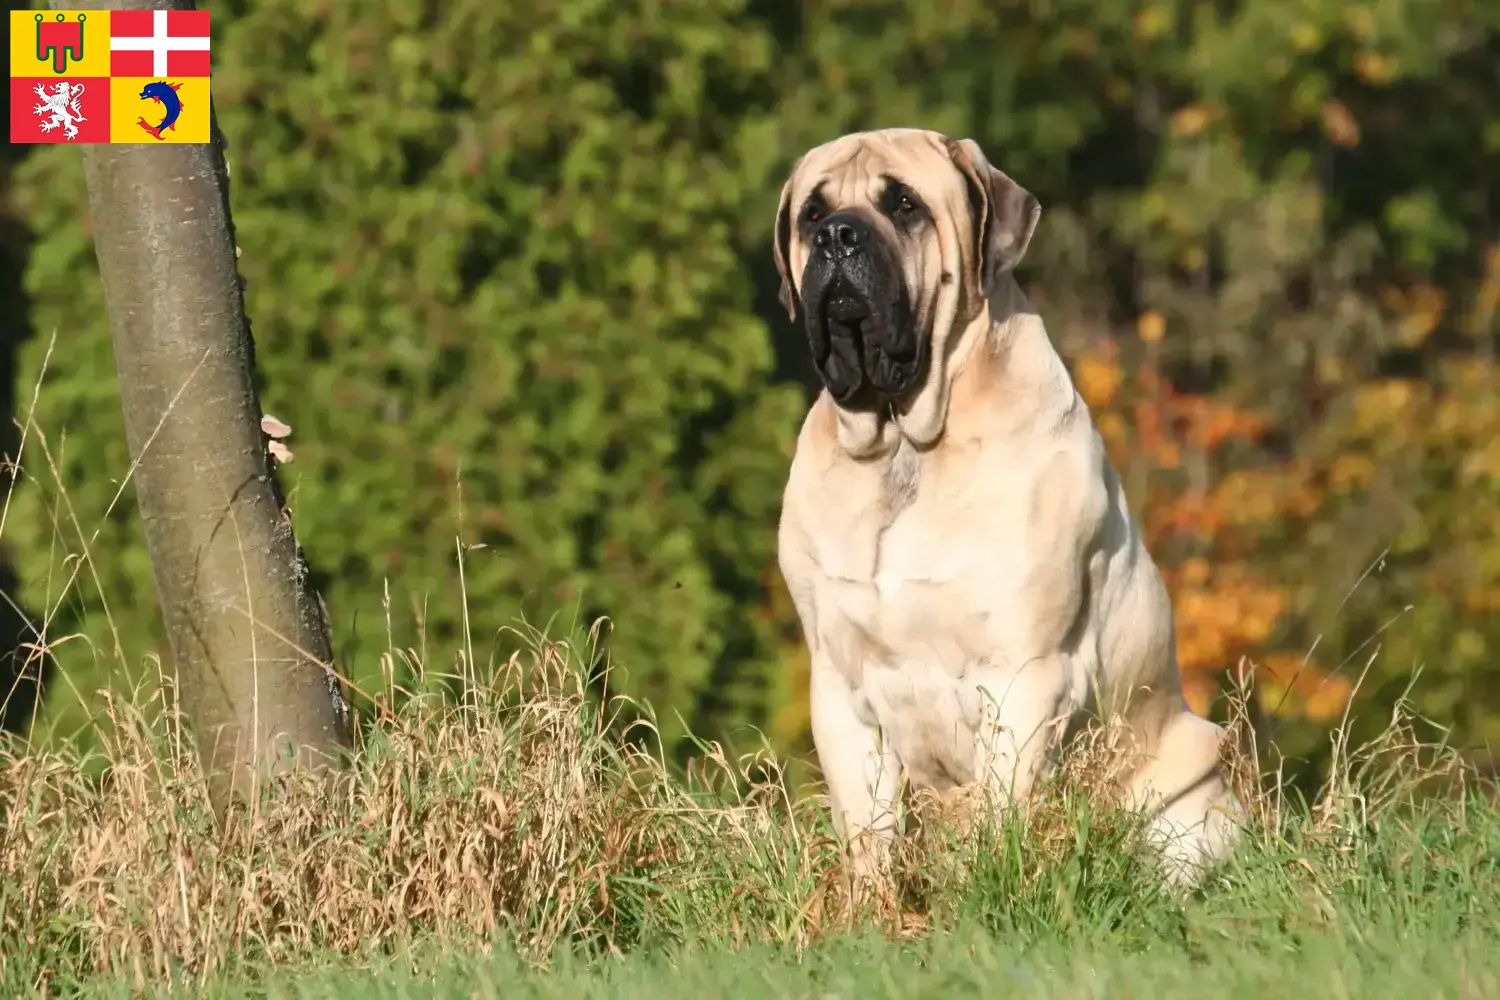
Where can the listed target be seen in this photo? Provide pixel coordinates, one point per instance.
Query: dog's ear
(781, 248)
(1005, 214)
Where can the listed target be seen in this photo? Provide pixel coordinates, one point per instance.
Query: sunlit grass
(519, 834)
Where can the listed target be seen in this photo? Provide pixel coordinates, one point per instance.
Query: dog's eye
(812, 213)
(901, 204)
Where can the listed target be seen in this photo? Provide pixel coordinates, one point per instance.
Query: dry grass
(515, 816)
(524, 816)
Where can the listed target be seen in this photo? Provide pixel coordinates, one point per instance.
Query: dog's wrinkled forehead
(859, 169)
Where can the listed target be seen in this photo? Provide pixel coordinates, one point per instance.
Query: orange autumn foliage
(1225, 608)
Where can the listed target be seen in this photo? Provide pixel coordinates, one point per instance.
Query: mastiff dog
(969, 579)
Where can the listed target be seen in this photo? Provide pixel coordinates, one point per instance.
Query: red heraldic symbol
(58, 40)
(158, 43)
(59, 110)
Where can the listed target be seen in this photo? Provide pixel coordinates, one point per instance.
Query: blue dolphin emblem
(164, 94)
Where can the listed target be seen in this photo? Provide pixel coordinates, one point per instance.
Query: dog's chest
(922, 566)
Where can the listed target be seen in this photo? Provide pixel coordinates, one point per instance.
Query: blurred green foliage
(508, 270)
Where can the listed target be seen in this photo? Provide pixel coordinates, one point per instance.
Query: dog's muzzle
(859, 320)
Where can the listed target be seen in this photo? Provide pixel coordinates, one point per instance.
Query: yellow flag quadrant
(23, 44)
(127, 109)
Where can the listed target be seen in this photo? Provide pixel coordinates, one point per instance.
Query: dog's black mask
(858, 314)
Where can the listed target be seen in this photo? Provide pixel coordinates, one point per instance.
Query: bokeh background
(508, 267)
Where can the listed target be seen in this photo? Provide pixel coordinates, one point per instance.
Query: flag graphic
(115, 76)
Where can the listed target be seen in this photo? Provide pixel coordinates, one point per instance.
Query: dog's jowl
(969, 578)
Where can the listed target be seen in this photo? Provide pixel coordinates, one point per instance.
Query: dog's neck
(996, 369)
(1008, 375)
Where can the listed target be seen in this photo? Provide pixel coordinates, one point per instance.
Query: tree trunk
(248, 636)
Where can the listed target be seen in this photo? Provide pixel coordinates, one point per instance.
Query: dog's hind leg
(1196, 815)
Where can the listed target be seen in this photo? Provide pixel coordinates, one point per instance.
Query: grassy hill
(523, 844)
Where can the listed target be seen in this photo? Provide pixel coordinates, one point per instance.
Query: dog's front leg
(1019, 725)
(1029, 693)
(862, 775)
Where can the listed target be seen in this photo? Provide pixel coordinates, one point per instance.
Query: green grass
(1378, 962)
(1410, 910)
(520, 848)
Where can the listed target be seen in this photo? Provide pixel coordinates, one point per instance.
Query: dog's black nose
(842, 234)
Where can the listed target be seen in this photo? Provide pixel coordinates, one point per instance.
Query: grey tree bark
(249, 638)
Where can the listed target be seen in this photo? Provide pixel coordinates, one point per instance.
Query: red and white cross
(158, 43)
